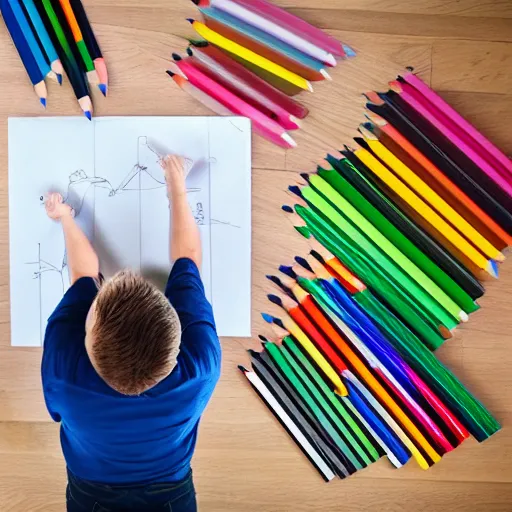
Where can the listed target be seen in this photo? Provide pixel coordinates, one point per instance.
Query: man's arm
(185, 241)
(81, 258)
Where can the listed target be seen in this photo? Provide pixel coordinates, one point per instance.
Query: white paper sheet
(108, 171)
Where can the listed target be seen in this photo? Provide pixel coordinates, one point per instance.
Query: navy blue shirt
(111, 438)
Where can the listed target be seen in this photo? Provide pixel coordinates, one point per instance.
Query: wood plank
(423, 25)
(480, 67)
(465, 8)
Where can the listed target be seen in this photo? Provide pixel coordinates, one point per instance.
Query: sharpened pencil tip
(190, 52)
(268, 318)
(190, 20)
(349, 52)
(59, 78)
(243, 369)
(176, 57)
(170, 73)
(195, 2)
(326, 75)
(88, 114)
(43, 102)
(286, 208)
(493, 268)
(103, 88)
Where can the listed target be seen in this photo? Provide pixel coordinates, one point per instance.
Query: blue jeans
(84, 496)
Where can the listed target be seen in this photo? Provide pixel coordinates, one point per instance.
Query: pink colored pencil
(273, 94)
(262, 124)
(408, 94)
(292, 23)
(243, 88)
(444, 107)
(456, 129)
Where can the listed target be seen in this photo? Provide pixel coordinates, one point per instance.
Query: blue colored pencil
(25, 27)
(33, 71)
(44, 37)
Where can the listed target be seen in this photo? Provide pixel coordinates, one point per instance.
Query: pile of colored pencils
(253, 57)
(402, 231)
(53, 37)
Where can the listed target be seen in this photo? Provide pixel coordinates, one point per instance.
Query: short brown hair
(136, 334)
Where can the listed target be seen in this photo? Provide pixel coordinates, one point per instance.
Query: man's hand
(56, 208)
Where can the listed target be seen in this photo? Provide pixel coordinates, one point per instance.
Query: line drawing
(80, 184)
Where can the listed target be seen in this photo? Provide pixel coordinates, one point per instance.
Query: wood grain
(244, 460)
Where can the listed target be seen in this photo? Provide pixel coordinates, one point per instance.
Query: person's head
(133, 334)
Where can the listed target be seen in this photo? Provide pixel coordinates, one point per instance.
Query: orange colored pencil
(485, 223)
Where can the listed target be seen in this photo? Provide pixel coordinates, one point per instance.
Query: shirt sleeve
(200, 346)
(64, 341)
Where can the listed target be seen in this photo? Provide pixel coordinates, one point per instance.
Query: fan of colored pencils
(403, 229)
(252, 58)
(53, 37)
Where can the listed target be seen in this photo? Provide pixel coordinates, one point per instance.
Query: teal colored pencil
(44, 37)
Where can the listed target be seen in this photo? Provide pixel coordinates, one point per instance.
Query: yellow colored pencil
(227, 44)
(425, 211)
(435, 200)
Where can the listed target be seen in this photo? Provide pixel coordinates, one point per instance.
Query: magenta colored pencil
(244, 88)
(262, 124)
(408, 94)
(294, 24)
(273, 94)
(444, 107)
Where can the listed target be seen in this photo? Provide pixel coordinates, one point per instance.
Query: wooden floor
(244, 460)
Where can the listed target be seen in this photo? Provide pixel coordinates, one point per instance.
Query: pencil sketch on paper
(139, 179)
(111, 177)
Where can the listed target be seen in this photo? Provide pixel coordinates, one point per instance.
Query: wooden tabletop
(244, 460)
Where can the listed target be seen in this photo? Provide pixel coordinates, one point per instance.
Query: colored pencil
(382, 357)
(431, 197)
(307, 303)
(23, 49)
(244, 88)
(415, 134)
(262, 124)
(316, 459)
(199, 95)
(318, 406)
(365, 310)
(373, 348)
(66, 55)
(294, 24)
(449, 148)
(265, 45)
(396, 142)
(367, 410)
(426, 212)
(92, 44)
(298, 408)
(415, 100)
(404, 244)
(382, 240)
(296, 357)
(30, 38)
(92, 75)
(362, 179)
(244, 53)
(374, 246)
(237, 69)
(413, 314)
(320, 341)
(44, 38)
(275, 29)
(467, 127)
